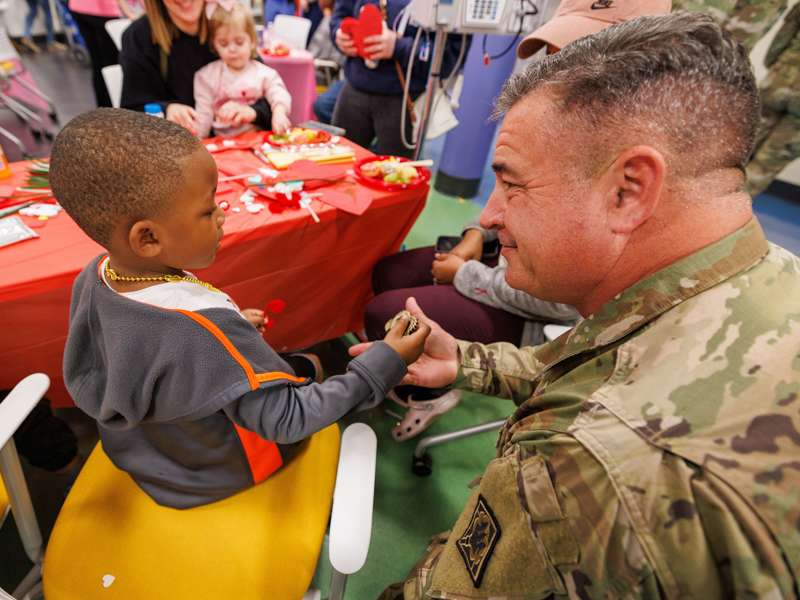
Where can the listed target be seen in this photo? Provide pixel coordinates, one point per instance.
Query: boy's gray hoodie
(194, 404)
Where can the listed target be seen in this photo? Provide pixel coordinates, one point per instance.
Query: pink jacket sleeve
(273, 88)
(206, 84)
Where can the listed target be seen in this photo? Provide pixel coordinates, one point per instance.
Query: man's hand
(345, 43)
(471, 246)
(381, 46)
(236, 113)
(256, 317)
(183, 115)
(438, 365)
(445, 267)
(280, 121)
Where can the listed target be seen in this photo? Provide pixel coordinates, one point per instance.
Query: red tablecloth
(297, 71)
(320, 270)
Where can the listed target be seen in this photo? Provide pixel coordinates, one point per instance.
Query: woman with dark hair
(161, 53)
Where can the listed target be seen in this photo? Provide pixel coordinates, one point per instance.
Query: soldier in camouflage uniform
(747, 20)
(779, 141)
(655, 450)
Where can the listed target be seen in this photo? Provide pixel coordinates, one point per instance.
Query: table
(322, 271)
(297, 71)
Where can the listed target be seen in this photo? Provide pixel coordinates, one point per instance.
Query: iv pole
(433, 83)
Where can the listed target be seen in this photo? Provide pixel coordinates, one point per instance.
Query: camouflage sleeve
(788, 30)
(499, 369)
(751, 19)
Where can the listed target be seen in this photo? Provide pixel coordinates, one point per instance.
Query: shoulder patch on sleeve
(478, 542)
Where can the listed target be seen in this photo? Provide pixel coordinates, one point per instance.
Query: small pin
(486, 59)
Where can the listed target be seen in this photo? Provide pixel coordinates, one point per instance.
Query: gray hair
(680, 78)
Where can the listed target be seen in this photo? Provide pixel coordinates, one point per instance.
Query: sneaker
(30, 45)
(57, 47)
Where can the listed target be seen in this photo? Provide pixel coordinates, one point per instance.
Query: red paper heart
(354, 201)
(369, 23)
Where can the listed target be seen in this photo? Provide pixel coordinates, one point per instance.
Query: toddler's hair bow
(211, 6)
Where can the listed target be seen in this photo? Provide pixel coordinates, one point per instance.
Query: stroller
(77, 47)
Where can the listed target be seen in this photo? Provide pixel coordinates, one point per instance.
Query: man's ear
(144, 239)
(637, 177)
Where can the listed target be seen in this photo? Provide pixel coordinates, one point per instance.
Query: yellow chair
(112, 541)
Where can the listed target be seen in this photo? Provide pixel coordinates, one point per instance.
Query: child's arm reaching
(279, 99)
(280, 120)
(287, 414)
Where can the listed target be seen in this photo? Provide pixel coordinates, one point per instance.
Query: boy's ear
(144, 239)
(637, 179)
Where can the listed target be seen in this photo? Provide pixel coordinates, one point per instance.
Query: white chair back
(115, 29)
(112, 75)
(292, 30)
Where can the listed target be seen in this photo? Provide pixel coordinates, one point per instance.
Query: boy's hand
(256, 317)
(445, 267)
(236, 113)
(280, 121)
(437, 367)
(409, 347)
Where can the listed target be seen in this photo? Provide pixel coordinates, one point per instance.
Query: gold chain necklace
(114, 276)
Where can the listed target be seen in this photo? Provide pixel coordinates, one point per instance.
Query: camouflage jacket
(787, 41)
(655, 450)
(747, 20)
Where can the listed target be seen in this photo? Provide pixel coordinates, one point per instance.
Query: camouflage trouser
(779, 140)
(413, 588)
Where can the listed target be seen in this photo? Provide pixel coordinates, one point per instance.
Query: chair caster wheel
(422, 466)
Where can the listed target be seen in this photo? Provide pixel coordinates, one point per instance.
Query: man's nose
(492, 215)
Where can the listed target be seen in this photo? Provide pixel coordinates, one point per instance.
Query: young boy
(185, 390)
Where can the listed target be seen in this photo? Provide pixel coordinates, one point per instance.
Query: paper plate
(423, 175)
(277, 51)
(321, 137)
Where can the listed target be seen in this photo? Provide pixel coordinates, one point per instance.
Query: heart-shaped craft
(369, 23)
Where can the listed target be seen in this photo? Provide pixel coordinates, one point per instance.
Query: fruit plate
(278, 50)
(313, 136)
(423, 174)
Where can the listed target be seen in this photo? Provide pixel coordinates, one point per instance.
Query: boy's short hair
(108, 165)
(238, 15)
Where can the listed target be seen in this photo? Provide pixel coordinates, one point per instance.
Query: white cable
(435, 98)
(405, 92)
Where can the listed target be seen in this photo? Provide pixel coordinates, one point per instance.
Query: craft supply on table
(13, 230)
(41, 210)
(5, 170)
(10, 211)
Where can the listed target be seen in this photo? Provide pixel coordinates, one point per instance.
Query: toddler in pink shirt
(225, 88)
